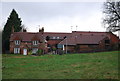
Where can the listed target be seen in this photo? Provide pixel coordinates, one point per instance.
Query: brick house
(89, 41)
(77, 41)
(24, 42)
(54, 39)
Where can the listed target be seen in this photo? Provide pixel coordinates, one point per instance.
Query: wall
(88, 48)
(70, 48)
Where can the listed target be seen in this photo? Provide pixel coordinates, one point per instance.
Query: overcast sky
(57, 16)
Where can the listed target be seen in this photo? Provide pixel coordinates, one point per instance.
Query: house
(89, 41)
(75, 42)
(54, 38)
(24, 42)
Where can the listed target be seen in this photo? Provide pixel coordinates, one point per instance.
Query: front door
(24, 51)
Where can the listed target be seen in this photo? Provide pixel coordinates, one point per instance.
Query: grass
(103, 65)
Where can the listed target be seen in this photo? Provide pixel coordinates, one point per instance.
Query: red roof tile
(56, 34)
(25, 36)
(83, 39)
(76, 37)
(89, 39)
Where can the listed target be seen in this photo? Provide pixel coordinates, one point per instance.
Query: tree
(13, 22)
(112, 15)
(24, 29)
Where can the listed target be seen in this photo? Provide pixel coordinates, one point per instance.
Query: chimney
(41, 30)
(12, 29)
(24, 30)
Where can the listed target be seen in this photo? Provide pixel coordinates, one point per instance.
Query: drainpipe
(66, 45)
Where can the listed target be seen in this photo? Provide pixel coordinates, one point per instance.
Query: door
(24, 51)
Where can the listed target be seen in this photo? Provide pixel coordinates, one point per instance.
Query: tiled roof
(82, 39)
(76, 37)
(69, 41)
(90, 33)
(25, 36)
(56, 34)
(89, 39)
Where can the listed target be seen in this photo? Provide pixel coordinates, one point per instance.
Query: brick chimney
(12, 29)
(41, 30)
(24, 30)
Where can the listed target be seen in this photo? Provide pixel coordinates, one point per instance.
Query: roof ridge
(90, 31)
(57, 32)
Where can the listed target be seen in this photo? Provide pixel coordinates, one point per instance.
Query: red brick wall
(114, 39)
(27, 46)
(70, 48)
(85, 48)
(11, 47)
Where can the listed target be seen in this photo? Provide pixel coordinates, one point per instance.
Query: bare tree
(111, 18)
(24, 28)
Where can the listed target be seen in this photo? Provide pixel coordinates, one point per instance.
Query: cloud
(52, 0)
(56, 16)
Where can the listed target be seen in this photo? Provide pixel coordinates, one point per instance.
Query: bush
(30, 52)
(54, 49)
(40, 52)
(60, 52)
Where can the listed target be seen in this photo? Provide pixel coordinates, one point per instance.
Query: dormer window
(107, 41)
(17, 42)
(58, 37)
(54, 37)
(35, 42)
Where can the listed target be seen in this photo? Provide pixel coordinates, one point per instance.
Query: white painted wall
(63, 47)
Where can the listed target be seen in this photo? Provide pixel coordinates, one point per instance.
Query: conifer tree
(13, 22)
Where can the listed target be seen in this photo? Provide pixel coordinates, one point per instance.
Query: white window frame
(17, 42)
(58, 37)
(54, 37)
(35, 42)
(16, 50)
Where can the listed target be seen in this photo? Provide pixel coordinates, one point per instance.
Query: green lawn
(103, 65)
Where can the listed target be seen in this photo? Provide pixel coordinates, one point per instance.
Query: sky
(56, 16)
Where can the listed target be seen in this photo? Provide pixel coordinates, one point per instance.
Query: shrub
(30, 52)
(39, 52)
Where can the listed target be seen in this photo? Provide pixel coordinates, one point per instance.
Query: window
(35, 42)
(53, 37)
(16, 50)
(59, 46)
(49, 45)
(107, 41)
(58, 37)
(17, 42)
